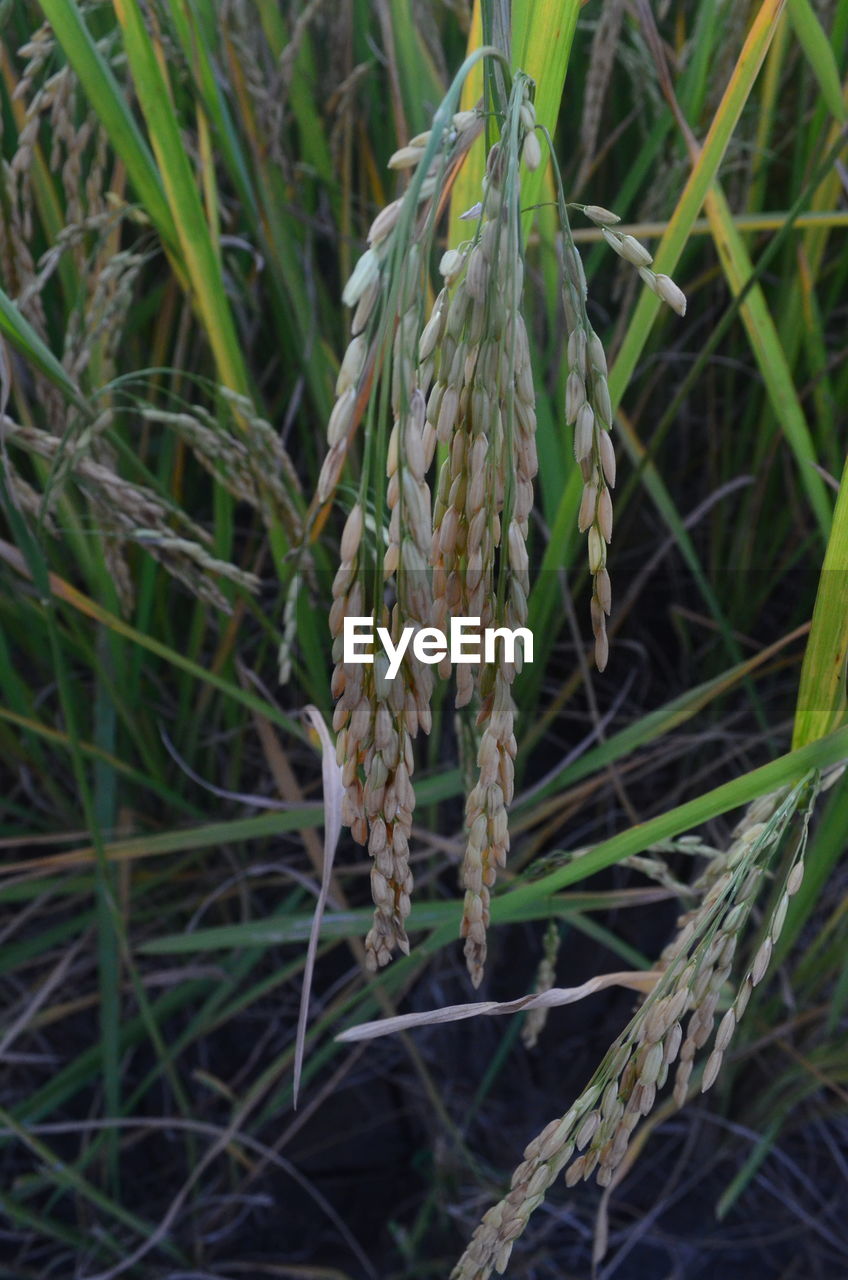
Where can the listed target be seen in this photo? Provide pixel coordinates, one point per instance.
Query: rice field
(423, 601)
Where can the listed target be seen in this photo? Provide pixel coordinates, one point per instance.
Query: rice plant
(330, 322)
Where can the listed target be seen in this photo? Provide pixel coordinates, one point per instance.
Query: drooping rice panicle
(594, 1134)
(259, 473)
(376, 718)
(463, 379)
(589, 411)
(536, 1019)
(132, 513)
(588, 408)
(483, 410)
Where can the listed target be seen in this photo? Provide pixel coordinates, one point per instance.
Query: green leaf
(698, 184)
(201, 261)
(816, 46)
(542, 36)
(768, 352)
(821, 696)
(18, 330)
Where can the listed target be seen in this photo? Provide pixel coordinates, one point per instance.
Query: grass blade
(821, 696)
(202, 264)
(18, 330)
(333, 794)
(768, 352)
(699, 182)
(816, 46)
(542, 36)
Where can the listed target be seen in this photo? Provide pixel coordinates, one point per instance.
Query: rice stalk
(464, 379)
(536, 1020)
(376, 719)
(588, 406)
(673, 1024)
(259, 471)
(136, 515)
(483, 411)
(602, 57)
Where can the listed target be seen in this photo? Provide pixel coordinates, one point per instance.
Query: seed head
(384, 223)
(575, 396)
(364, 274)
(607, 458)
(405, 158)
(352, 534)
(532, 151)
(603, 590)
(588, 504)
(600, 216)
(584, 432)
(451, 265)
(627, 247)
(597, 551)
(605, 515)
(665, 289)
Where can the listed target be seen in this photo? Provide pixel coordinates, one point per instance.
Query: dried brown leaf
(634, 980)
(332, 779)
